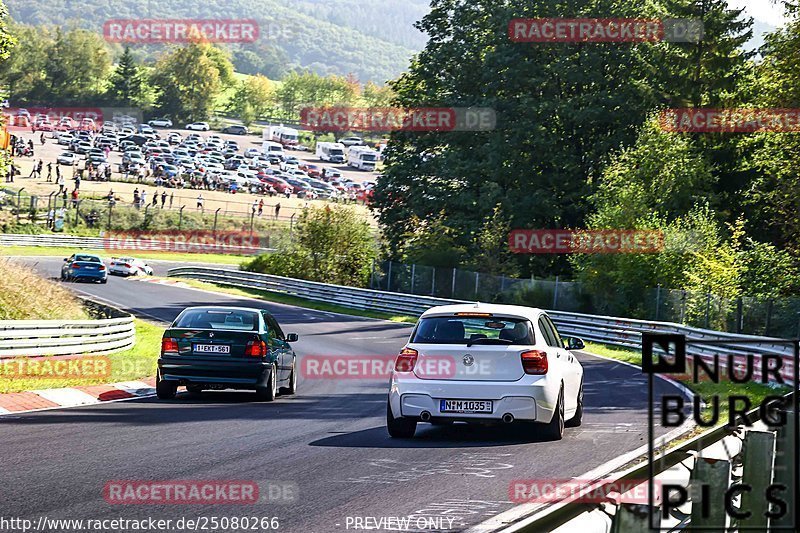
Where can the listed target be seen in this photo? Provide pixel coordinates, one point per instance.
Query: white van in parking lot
(269, 148)
(486, 363)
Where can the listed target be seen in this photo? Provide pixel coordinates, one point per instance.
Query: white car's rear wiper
(487, 341)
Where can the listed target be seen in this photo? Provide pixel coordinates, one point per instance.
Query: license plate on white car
(465, 406)
(212, 348)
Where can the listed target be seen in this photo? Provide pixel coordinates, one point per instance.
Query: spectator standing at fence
(277, 210)
(200, 202)
(171, 195)
(163, 198)
(41, 138)
(261, 207)
(75, 198)
(254, 207)
(110, 197)
(30, 146)
(155, 199)
(59, 181)
(136, 198)
(33, 170)
(50, 171)
(51, 218)
(143, 196)
(58, 173)
(64, 196)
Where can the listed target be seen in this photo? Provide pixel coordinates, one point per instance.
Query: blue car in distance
(84, 266)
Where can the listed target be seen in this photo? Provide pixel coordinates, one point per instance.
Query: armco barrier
(711, 458)
(68, 337)
(111, 244)
(623, 332)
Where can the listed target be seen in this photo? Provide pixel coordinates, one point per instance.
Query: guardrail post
(453, 288)
(555, 295)
(19, 202)
(713, 477)
(683, 306)
(476, 284)
(433, 281)
(252, 219)
(180, 217)
(389, 278)
(658, 301)
(708, 308)
(214, 231)
(110, 209)
(785, 470)
(739, 317)
(413, 271)
(758, 461)
(633, 518)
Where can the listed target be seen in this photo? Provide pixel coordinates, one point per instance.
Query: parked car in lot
(236, 130)
(351, 141)
(129, 266)
(162, 122)
(486, 363)
(226, 347)
(84, 266)
(199, 126)
(66, 158)
(312, 170)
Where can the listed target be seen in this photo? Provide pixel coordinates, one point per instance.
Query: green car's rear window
(218, 319)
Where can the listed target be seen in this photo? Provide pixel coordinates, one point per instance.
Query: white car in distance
(129, 266)
(199, 126)
(486, 363)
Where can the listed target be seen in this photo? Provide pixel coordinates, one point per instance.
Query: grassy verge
(294, 300)
(132, 364)
(708, 390)
(163, 256)
(25, 295)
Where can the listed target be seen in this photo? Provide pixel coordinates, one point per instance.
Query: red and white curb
(37, 400)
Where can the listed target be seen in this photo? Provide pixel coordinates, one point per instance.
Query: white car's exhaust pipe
(425, 416)
(508, 418)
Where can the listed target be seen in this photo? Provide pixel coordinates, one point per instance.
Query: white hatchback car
(486, 363)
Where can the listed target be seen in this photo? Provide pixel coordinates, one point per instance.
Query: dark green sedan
(226, 348)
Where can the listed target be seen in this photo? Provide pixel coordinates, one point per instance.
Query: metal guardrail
(623, 332)
(764, 454)
(112, 244)
(65, 337)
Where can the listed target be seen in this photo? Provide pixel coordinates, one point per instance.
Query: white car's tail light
(406, 360)
(534, 362)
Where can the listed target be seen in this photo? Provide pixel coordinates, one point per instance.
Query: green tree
(129, 84)
(331, 245)
(560, 109)
(254, 97)
(189, 79)
(77, 66)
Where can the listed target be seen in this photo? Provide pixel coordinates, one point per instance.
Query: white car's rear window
(473, 330)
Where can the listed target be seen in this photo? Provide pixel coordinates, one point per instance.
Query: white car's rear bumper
(531, 398)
